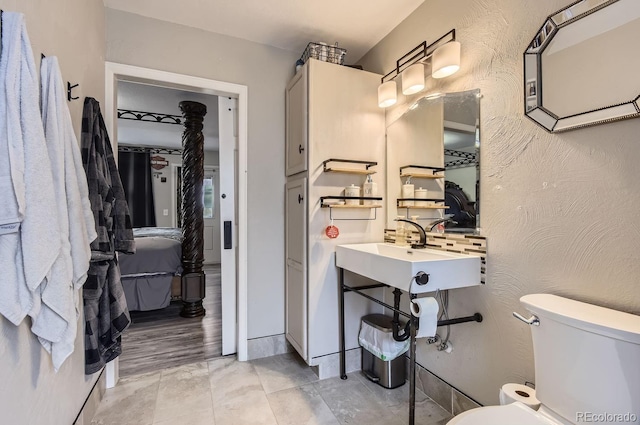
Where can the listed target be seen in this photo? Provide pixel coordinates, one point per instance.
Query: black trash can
(387, 373)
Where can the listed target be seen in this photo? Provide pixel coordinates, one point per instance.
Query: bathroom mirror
(435, 144)
(581, 67)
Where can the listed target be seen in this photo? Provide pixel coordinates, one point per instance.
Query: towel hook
(69, 88)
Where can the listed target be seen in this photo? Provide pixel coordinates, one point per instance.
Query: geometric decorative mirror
(581, 69)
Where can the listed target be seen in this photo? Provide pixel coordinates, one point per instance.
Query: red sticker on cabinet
(332, 232)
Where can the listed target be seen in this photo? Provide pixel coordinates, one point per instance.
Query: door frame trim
(115, 72)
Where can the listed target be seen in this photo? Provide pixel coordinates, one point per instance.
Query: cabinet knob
(300, 199)
(300, 148)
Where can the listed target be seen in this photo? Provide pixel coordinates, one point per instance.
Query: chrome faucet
(441, 220)
(422, 243)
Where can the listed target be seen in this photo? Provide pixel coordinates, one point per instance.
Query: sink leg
(412, 372)
(343, 366)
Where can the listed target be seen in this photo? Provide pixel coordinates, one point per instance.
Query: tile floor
(279, 390)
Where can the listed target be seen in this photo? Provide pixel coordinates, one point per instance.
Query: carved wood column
(193, 278)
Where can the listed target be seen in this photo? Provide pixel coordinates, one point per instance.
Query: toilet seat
(514, 413)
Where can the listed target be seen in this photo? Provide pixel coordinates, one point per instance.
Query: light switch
(165, 212)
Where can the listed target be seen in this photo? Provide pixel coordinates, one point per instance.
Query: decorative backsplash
(452, 242)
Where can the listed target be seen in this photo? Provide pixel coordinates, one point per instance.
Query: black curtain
(135, 173)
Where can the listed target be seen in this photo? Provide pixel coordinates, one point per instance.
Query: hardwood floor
(161, 338)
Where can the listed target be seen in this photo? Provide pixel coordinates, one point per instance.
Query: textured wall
(559, 211)
(30, 391)
(135, 40)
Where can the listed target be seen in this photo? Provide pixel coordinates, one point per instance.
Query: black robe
(105, 307)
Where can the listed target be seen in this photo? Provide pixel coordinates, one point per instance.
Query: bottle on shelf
(369, 189)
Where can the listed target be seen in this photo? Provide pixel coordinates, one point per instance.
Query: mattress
(164, 232)
(153, 255)
(147, 274)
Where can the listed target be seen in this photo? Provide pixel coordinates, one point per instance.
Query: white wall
(150, 43)
(559, 211)
(164, 192)
(30, 391)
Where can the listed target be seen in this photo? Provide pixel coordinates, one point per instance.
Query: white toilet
(587, 365)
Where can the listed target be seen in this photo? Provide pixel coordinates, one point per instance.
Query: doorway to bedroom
(159, 337)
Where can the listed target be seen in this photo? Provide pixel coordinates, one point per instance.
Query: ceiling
(147, 98)
(357, 25)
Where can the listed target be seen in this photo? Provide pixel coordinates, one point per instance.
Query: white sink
(396, 266)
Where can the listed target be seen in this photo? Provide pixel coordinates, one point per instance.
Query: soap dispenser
(369, 189)
(401, 232)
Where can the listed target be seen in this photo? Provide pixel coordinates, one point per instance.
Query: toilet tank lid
(592, 318)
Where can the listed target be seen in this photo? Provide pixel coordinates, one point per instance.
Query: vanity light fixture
(387, 94)
(444, 54)
(446, 60)
(413, 79)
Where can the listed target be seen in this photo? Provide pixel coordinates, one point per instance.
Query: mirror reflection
(433, 162)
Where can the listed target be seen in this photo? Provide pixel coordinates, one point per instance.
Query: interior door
(211, 215)
(227, 108)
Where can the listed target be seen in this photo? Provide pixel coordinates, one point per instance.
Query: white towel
(58, 128)
(59, 313)
(15, 297)
(11, 157)
(26, 257)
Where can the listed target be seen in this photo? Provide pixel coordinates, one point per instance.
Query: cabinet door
(296, 124)
(296, 220)
(296, 307)
(296, 266)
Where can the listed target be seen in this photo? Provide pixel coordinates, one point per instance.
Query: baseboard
(92, 401)
(329, 366)
(268, 346)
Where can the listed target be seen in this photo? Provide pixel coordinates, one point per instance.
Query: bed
(147, 275)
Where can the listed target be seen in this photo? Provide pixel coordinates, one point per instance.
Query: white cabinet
(296, 267)
(331, 112)
(296, 118)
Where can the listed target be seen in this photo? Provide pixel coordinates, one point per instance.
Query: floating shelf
(352, 206)
(420, 199)
(331, 207)
(428, 207)
(348, 170)
(425, 207)
(344, 198)
(421, 175)
(423, 172)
